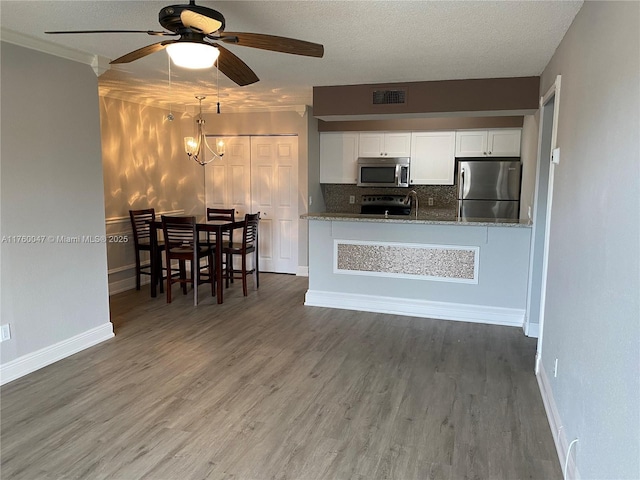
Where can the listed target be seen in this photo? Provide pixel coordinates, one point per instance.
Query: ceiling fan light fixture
(193, 55)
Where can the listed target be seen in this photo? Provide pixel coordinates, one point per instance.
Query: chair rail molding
(121, 274)
(127, 220)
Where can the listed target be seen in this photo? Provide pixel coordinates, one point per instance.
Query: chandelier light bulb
(191, 146)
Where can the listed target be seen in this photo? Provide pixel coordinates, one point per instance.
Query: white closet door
(228, 179)
(274, 191)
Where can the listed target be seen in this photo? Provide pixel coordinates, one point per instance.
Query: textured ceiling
(365, 42)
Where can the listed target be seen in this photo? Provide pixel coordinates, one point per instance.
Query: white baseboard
(555, 423)
(417, 308)
(125, 284)
(303, 271)
(34, 361)
(532, 330)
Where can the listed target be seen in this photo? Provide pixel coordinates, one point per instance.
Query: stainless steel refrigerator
(489, 188)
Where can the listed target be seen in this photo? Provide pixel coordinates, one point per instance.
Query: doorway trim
(552, 94)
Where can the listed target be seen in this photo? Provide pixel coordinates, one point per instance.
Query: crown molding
(98, 63)
(193, 109)
(299, 109)
(144, 102)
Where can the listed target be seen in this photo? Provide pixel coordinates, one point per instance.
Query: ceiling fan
(202, 27)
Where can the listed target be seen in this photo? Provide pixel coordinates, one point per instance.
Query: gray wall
(592, 309)
(529, 158)
(51, 185)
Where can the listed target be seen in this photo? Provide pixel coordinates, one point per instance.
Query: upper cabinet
(432, 158)
(339, 157)
(385, 144)
(488, 143)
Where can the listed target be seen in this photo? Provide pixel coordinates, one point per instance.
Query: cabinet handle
(489, 153)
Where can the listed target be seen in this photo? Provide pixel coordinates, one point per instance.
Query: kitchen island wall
(450, 269)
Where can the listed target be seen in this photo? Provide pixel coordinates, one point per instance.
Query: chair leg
(257, 271)
(212, 275)
(137, 269)
(183, 276)
(244, 275)
(228, 269)
(159, 272)
(169, 281)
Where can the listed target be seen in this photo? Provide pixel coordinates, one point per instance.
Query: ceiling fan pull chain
(170, 116)
(218, 82)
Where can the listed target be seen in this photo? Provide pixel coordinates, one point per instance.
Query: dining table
(215, 227)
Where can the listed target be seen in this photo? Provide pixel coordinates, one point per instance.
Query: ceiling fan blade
(274, 43)
(148, 32)
(199, 22)
(234, 68)
(143, 52)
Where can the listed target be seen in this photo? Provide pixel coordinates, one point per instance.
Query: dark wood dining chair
(248, 246)
(181, 238)
(224, 215)
(142, 243)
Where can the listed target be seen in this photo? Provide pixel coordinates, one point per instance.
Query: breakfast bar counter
(433, 266)
(422, 218)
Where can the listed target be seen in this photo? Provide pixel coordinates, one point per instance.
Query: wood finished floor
(265, 388)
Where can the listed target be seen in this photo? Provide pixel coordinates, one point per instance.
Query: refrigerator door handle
(461, 195)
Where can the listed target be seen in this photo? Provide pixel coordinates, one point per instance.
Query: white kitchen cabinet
(432, 158)
(385, 144)
(338, 157)
(488, 143)
(504, 143)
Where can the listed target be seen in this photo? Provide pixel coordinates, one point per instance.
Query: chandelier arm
(194, 146)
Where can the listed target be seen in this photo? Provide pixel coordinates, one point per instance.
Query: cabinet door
(503, 143)
(338, 157)
(432, 158)
(371, 144)
(471, 143)
(397, 144)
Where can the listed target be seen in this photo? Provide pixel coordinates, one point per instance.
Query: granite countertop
(423, 218)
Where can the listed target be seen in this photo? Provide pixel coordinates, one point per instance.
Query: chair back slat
(250, 234)
(221, 214)
(179, 231)
(140, 224)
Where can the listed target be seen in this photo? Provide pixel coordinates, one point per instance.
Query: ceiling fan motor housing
(169, 17)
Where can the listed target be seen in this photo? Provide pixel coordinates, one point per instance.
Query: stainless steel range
(385, 204)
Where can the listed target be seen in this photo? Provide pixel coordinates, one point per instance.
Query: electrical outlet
(352, 199)
(310, 200)
(555, 369)
(5, 332)
(430, 201)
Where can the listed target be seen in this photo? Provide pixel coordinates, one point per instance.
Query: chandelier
(196, 147)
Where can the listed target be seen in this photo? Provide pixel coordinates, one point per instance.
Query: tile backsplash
(336, 197)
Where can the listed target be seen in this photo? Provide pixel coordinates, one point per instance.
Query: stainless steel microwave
(383, 172)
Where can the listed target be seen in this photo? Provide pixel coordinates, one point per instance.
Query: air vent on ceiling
(388, 97)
